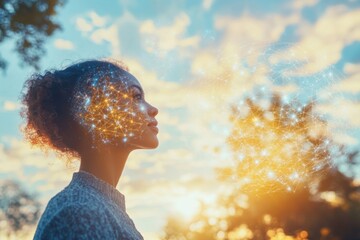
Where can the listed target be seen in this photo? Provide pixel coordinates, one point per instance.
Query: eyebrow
(136, 86)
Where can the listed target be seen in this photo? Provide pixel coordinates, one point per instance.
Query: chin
(152, 144)
(145, 143)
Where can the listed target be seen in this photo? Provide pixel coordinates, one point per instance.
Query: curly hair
(47, 109)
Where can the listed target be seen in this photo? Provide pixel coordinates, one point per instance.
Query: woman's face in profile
(147, 137)
(112, 107)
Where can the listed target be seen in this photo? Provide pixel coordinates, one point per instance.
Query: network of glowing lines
(105, 106)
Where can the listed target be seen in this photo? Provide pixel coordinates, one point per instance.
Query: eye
(138, 96)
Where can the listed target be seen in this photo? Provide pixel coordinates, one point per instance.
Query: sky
(194, 59)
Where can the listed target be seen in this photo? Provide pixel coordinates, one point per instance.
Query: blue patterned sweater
(88, 208)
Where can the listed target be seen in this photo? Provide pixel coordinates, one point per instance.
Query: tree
(18, 209)
(28, 22)
(285, 180)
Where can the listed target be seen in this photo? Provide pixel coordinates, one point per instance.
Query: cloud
(161, 40)
(248, 29)
(351, 68)
(321, 44)
(97, 20)
(99, 29)
(90, 21)
(300, 4)
(220, 72)
(45, 175)
(11, 106)
(351, 83)
(63, 44)
(160, 93)
(207, 4)
(83, 25)
(347, 115)
(343, 138)
(343, 112)
(110, 35)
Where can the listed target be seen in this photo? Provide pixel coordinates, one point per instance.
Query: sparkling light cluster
(105, 106)
(278, 138)
(281, 147)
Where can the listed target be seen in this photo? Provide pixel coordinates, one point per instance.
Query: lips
(153, 126)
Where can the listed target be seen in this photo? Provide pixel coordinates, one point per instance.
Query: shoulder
(73, 197)
(76, 221)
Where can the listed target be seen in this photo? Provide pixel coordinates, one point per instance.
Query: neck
(105, 164)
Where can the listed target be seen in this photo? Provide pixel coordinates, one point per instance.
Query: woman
(96, 111)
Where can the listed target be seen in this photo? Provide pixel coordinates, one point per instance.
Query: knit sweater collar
(87, 179)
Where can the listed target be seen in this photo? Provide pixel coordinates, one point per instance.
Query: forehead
(127, 79)
(111, 75)
(124, 78)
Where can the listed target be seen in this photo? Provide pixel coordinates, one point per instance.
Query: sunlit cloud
(207, 4)
(83, 25)
(343, 138)
(348, 113)
(311, 48)
(300, 4)
(90, 21)
(10, 105)
(64, 44)
(48, 176)
(97, 20)
(158, 91)
(351, 84)
(100, 33)
(110, 35)
(102, 29)
(160, 40)
(248, 29)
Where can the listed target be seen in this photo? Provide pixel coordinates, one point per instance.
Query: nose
(152, 111)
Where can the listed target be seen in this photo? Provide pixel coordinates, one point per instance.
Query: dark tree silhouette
(319, 202)
(17, 208)
(29, 23)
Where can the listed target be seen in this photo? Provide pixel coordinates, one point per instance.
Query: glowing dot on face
(317, 167)
(293, 176)
(142, 108)
(241, 157)
(125, 139)
(264, 152)
(247, 180)
(87, 101)
(271, 174)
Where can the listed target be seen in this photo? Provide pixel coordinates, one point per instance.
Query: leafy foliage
(29, 22)
(17, 208)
